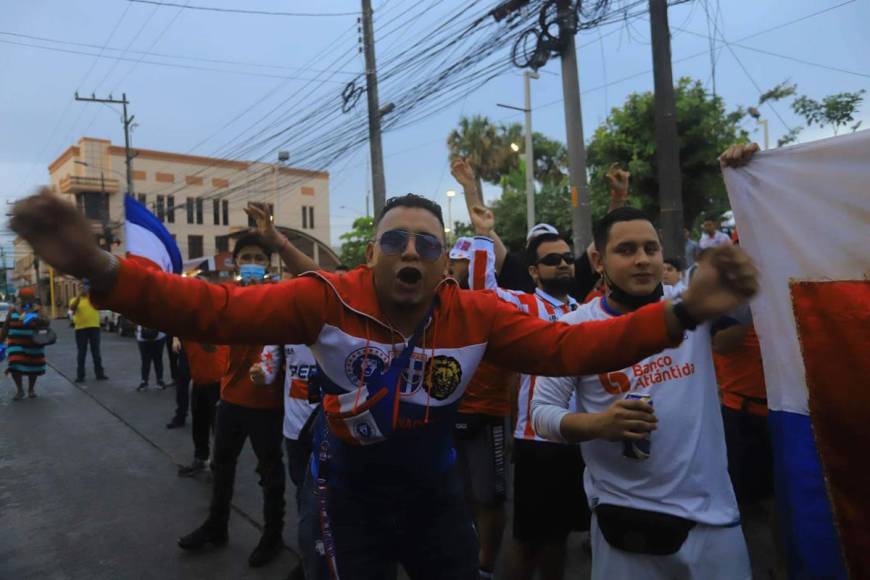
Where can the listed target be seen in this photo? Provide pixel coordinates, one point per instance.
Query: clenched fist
(726, 278)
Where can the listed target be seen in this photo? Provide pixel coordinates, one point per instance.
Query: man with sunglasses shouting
(396, 343)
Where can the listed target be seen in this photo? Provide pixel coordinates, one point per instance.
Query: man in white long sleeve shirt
(673, 515)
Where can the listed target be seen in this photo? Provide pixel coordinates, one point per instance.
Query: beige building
(200, 200)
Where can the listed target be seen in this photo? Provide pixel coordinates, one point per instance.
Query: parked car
(5, 307)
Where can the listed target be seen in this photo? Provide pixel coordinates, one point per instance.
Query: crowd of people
(399, 396)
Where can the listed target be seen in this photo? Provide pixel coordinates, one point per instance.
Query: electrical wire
(243, 11)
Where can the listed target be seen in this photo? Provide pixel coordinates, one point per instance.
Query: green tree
(627, 137)
(354, 242)
(836, 110)
(478, 141)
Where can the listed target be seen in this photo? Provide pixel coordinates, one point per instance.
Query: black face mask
(632, 301)
(557, 286)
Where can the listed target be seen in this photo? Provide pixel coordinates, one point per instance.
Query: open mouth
(409, 275)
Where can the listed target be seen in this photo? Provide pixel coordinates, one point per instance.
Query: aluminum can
(640, 449)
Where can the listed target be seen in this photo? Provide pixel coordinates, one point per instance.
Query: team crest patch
(446, 373)
(412, 377)
(365, 363)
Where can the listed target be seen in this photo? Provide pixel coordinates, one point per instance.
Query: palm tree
(478, 140)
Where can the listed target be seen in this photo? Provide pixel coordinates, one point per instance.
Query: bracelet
(687, 321)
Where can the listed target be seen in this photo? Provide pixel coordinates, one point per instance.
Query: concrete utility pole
(530, 153)
(128, 121)
(582, 212)
(667, 139)
(379, 185)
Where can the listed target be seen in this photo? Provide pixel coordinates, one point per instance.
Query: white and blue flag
(148, 239)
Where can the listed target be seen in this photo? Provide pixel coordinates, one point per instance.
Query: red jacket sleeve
(530, 345)
(291, 312)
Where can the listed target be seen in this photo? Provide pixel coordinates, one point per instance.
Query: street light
(515, 148)
(450, 195)
(756, 114)
(530, 161)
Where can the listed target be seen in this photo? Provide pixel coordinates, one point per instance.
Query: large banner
(803, 214)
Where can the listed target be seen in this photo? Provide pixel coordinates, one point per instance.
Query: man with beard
(397, 344)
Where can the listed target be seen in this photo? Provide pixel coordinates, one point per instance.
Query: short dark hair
(342, 268)
(601, 232)
(412, 200)
(532, 249)
(251, 239)
(677, 263)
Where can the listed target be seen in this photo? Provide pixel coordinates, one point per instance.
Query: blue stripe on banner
(138, 214)
(803, 509)
(20, 332)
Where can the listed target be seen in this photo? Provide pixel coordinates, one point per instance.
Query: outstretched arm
(482, 219)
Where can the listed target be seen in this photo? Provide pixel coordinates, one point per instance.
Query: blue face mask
(252, 272)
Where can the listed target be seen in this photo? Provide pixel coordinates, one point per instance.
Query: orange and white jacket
(340, 319)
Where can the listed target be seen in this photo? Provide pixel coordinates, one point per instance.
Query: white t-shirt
(717, 239)
(687, 472)
(299, 364)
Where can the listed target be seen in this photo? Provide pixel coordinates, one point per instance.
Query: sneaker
(207, 533)
(80, 379)
(192, 469)
(18, 396)
(102, 377)
(31, 394)
(142, 386)
(161, 385)
(175, 423)
(267, 549)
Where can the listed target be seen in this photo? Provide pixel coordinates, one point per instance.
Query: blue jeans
(426, 529)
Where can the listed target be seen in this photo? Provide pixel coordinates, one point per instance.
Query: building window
(199, 210)
(194, 247)
(161, 215)
(143, 199)
(221, 244)
(190, 210)
(252, 223)
(216, 211)
(311, 216)
(307, 217)
(92, 202)
(170, 209)
(225, 205)
(304, 217)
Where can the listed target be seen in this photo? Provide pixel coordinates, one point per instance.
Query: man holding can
(657, 480)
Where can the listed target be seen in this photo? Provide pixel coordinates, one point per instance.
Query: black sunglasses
(556, 259)
(394, 242)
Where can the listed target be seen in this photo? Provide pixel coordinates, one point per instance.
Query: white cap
(540, 229)
(461, 249)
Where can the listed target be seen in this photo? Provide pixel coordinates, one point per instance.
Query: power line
(156, 63)
(243, 11)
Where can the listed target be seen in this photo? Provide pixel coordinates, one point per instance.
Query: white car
(109, 320)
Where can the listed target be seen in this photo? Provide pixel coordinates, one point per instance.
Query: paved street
(88, 485)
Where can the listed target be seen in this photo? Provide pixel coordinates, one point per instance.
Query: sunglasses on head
(394, 243)
(556, 259)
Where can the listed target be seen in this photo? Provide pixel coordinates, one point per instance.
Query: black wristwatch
(687, 321)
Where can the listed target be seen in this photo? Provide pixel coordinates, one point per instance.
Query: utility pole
(667, 140)
(530, 153)
(379, 185)
(582, 210)
(128, 121)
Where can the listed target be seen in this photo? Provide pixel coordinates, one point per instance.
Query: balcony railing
(79, 184)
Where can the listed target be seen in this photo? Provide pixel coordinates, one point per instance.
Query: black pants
(203, 405)
(175, 362)
(233, 425)
(151, 351)
(84, 337)
(750, 455)
(182, 384)
(298, 456)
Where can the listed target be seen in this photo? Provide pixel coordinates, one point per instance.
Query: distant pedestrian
(692, 249)
(86, 320)
(151, 343)
(673, 274)
(207, 364)
(26, 358)
(180, 372)
(711, 236)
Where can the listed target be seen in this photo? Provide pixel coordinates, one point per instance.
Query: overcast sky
(189, 110)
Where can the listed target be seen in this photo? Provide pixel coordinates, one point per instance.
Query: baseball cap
(539, 230)
(461, 249)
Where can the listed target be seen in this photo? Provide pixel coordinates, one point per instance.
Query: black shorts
(481, 457)
(549, 501)
(750, 456)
